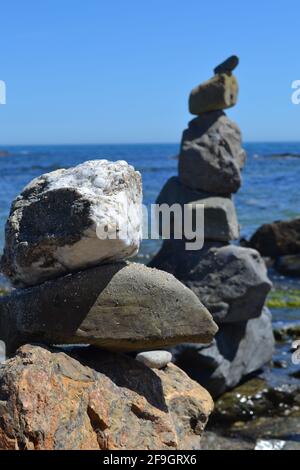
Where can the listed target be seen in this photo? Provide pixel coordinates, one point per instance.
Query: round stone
(155, 359)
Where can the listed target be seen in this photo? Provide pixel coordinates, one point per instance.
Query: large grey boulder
(220, 218)
(211, 155)
(231, 281)
(119, 307)
(72, 219)
(238, 350)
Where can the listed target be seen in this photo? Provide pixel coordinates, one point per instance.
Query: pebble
(155, 359)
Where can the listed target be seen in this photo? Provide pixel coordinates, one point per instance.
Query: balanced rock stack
(231, 281)
(74, 286)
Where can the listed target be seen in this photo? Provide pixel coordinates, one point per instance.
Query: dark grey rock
(289, 265)
(119, 307)
(228, 65)
(231, 281)
(238, 350)
(211, 155)
(220, 219)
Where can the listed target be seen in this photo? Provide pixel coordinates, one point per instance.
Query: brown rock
(278, 238)
(220, 92)
(97, 401)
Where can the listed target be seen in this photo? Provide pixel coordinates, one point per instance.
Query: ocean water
(270, 189)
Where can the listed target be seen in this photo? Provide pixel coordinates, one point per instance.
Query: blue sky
(95, 71)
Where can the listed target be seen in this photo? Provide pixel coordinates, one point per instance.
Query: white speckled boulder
(57, 224)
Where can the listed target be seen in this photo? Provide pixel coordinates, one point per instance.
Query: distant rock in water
(283, 155)
(279, 238)
(4, 153)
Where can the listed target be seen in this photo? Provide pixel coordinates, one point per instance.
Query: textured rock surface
(231, 281)
(228, 65)
(121, 306)
(220, 219)
(289, 265)
(211, 156)
(155, 359)
(98, 401)
(238, 350)
(55, 223)
(277, 239)
(220, 92)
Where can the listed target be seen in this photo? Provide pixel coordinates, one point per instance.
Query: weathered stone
(93, 400)
(59, 222)
(228, 65)
(219, 92)
(211, 155)
(278, 238)
(116, 306)
(155, 359)
(231, 281)
(238, 350)
(220, 219)
(289, 265)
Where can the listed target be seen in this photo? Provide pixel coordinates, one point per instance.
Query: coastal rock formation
(93, 400)
(211, 156)
(231, 281)
(61, 221)
(238, 350)
(119, 307)
(220, 219)
(278, 238)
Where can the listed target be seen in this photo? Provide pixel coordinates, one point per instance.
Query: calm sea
(270, 188)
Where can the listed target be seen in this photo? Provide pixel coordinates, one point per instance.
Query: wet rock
(278, 238)
(238, 350)
(231, 281)
(211, 155)
(155, 359)
(120, 306)
(59, 222)
(93, 400)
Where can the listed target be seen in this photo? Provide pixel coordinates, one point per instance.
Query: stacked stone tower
(230, 280)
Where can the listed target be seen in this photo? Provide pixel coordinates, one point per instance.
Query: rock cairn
(231, 281)
(75, 287)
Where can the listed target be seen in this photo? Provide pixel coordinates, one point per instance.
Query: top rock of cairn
(218, 93)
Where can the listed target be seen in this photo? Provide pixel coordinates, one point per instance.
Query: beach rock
(155, 359)
(228, 65)
(59, 222)
(220, 219)
(211, 155)
(238, 350)
(289, 265)
(94, 400)
(278, 238)
(219, 92)
(231, 281)
(120, 306)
